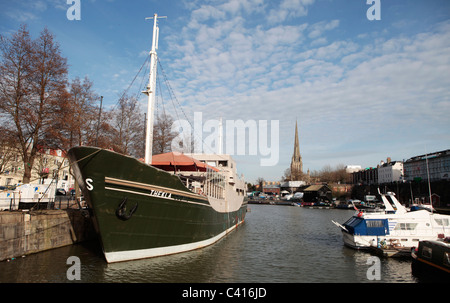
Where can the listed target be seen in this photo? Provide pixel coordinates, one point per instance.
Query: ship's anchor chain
(121, 211)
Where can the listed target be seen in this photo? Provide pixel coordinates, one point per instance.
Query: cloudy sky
(361, 90)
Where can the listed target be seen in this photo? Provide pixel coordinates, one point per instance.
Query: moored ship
(168, 204)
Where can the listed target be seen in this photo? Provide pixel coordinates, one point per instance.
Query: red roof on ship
(179, 161)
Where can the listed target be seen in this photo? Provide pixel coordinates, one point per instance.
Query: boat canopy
(367, 227)
(175, 161)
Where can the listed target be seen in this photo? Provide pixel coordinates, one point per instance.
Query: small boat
(393, 223)
(344, 205)
(431, 257)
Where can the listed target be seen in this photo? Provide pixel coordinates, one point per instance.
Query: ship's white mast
(150, 92)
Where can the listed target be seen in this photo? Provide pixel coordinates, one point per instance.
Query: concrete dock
(28, 232)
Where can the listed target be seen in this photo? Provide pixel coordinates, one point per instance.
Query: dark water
(275, 244)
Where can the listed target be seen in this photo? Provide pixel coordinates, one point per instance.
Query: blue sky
(360, 90)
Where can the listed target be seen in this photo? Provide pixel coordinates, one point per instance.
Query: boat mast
(150, 92)
(428, 177)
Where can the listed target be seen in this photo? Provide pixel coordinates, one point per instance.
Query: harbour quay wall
(23, 233)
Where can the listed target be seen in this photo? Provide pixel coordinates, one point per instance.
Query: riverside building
(435, 165)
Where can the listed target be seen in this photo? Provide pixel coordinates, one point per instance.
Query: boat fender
(121, 211)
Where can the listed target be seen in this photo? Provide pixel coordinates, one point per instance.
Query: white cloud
(206, 12)
(345, 93)
(317, 29)
(228, 53)
(356, 98)
(30, 10)
(289, 9)
(20, 15)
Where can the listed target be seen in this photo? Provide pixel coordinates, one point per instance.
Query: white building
(391, 171)
(352, 168)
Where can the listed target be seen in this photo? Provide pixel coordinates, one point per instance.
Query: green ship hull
(140, 211)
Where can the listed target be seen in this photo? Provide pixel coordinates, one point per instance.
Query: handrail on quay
(58, 202)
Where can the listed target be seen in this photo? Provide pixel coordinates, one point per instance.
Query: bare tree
(162, 134)
(332, 175)
(341, 175)
(33, 76)
(286, 175)
(127, 131)
(8, 150)
(127, 126)
(82, 113)
(15, 79)
(260, 182)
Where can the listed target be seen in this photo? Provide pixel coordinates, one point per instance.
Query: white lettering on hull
(161, 194)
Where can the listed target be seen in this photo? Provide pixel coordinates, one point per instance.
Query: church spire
(296, 162)
(296, 155)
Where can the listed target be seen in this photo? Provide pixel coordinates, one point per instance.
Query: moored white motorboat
(393, 224)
